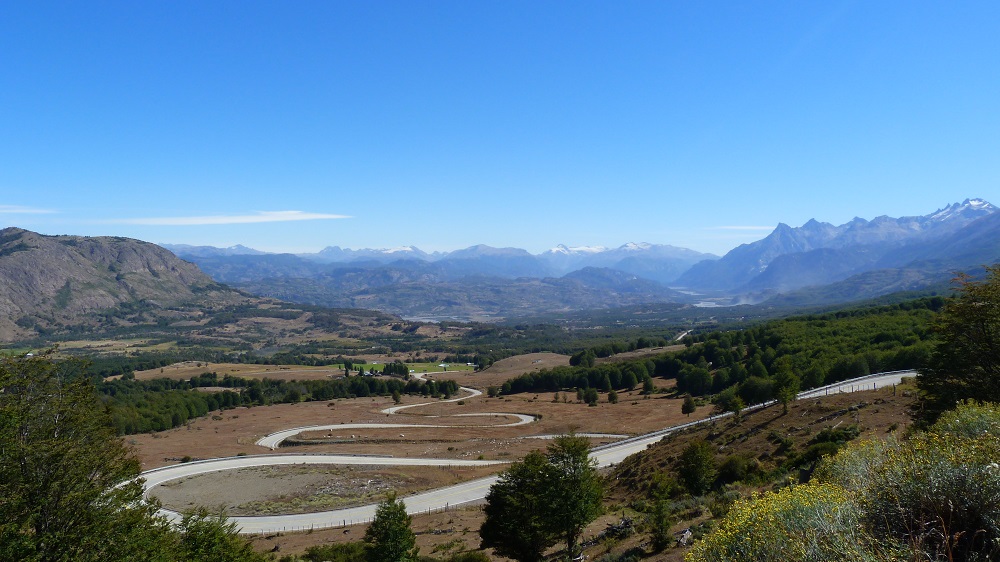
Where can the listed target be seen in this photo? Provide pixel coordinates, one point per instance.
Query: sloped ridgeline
(50, 282)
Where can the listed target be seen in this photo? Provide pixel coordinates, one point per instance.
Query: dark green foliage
(517, 523)
(696, 467)
(159, 404)
(729, 401)
(648, 387)
(966, 362)
(541, 499)
(755, 390)
(396, 369)
(60, 466)
(838, 435)
(472, 556)
(576, 492)
(774, 360)
(343, 552)
(68, 485)
(63, 295)
(738, 468)
(210, 538)
(688, 406)
(389, 537)
(585, 358)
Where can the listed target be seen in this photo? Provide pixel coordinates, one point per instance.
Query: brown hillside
(52, 280)
(776, 445)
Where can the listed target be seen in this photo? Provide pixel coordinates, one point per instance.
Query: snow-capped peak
(566, 250)
(970, 207)
(633, 247)
(398, 250)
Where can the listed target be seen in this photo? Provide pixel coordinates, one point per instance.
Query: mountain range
(51, 283)
(657, 262)
(818, 254)
(816, 263)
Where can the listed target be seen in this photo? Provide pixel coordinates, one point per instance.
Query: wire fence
(346, 523)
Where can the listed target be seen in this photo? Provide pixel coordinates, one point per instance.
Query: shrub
(696, 467)
(738, 468)
(809, 523)
(939, 492)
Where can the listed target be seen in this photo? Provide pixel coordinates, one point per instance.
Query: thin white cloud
(19, 210)
(258, 217)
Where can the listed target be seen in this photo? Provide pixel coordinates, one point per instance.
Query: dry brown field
(187, 369)
(233, 432)
(456, 530)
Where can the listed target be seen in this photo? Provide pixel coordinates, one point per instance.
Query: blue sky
(291, 126)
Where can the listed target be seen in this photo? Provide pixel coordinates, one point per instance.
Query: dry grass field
(878, 414)
(232, 432)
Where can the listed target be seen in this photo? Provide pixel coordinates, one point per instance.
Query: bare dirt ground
(232, 432)
(274, 490)
(877, 413)
(438, 534)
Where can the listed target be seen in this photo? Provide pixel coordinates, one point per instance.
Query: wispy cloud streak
(258, 217)
(19, 210)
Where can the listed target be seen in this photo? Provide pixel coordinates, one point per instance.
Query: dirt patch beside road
(276, 490)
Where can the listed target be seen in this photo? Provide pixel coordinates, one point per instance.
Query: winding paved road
(441, 498)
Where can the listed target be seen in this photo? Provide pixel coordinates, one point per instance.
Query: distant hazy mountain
(185, 250)
(336, 254)
(422, 295)
(243, 268)
(816, 263)
(657, 262)
(820, 253)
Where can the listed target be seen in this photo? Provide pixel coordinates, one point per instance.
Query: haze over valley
(813, 264)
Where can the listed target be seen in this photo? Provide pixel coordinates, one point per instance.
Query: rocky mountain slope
(815, 264)
(820, 253)
(49, 281)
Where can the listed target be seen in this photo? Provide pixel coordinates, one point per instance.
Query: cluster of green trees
(68, 485)
(771, 361)
(611, 376)
(159, 404)
(542, 499)
(588, 356)
(396, 369)
(933, 496)
(966, 362)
